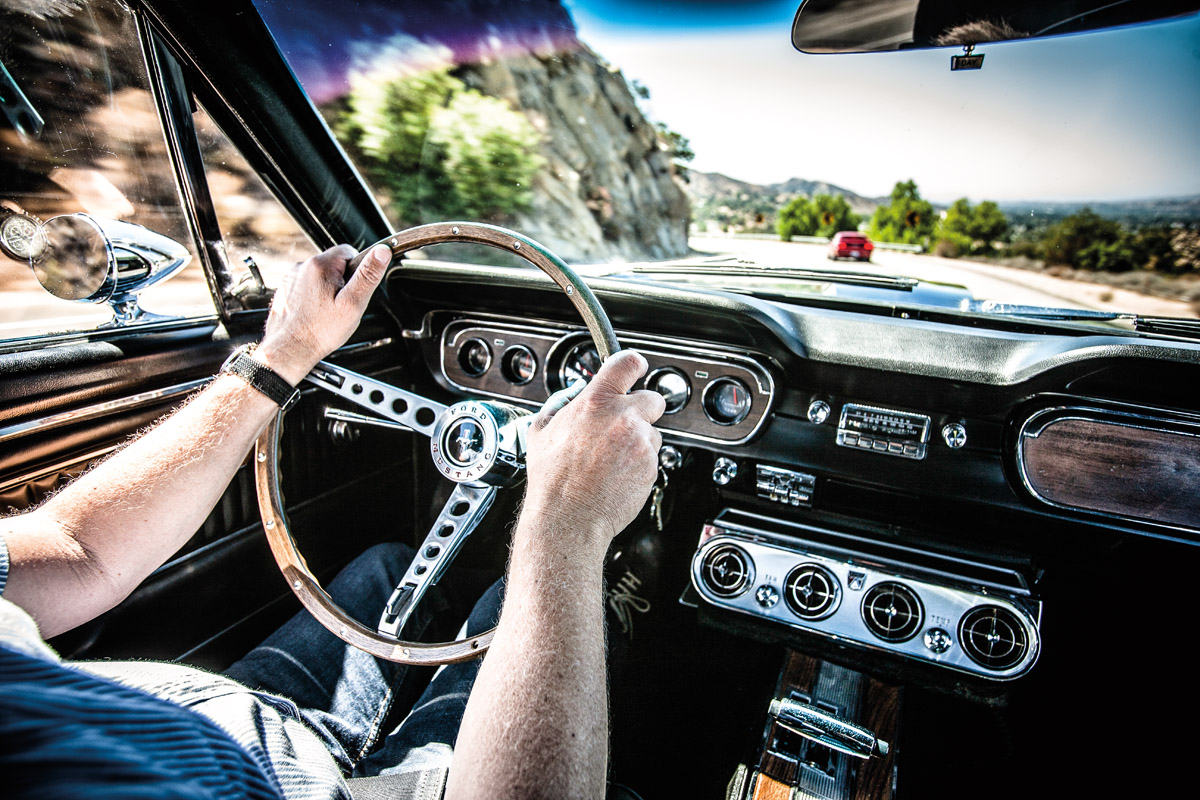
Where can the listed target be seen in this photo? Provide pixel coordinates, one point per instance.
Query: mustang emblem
(466, 442)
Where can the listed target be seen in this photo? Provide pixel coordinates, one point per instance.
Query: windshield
(691, 142)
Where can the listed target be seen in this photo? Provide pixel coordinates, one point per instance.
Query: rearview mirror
(863, 26)
(91, 260)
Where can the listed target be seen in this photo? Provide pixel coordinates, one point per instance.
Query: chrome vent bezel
(744, 581)
(911, 611)
(969, 637)
(801, 606)
(773, 559)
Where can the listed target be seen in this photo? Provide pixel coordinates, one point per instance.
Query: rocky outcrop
(609, 190)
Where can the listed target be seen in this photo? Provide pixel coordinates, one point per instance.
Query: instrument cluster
(710, 394)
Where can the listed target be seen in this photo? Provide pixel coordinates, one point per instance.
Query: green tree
(796, 218)
(1081, 240)
(438, 149)
(678, 146)
(971, 230)
(823, 215)
(907, 219)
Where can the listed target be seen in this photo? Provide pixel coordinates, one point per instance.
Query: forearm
(536, 724)
(90, 545)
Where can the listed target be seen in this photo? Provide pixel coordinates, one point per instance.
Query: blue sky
(1106, 116)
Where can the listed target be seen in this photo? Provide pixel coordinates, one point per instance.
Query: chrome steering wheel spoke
(407, 408)
(462, 513)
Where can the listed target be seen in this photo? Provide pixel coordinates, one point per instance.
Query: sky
(1087, 118)
(1103, 116)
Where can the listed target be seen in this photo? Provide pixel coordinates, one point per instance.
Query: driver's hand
(316, 308)
(591, 464)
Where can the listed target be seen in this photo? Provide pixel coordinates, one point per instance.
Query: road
(984, 281)
(25, 309)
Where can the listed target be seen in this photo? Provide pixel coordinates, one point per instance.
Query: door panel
(222, 592)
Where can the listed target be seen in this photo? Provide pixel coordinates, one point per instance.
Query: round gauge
(673, 385)
(20, 236)
(581, 361)
(475, 357)
(519, 364)
(727, 401)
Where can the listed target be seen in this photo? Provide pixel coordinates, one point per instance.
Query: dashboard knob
(766, 596)
(954, 435)
(669, 457)
(818, 412)
(724, 471)
(938, 641)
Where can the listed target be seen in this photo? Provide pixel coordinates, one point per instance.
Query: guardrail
(907, 248)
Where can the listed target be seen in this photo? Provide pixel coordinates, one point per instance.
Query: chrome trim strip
(944, 606)
(1070, 412)
(99, 410)
(30, 477)
(359, 347)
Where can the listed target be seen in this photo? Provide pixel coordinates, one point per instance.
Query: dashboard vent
(993, 637)
(726, 571)
(812, 592)
(892, 611)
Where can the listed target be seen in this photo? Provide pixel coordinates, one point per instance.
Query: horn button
(478, 442)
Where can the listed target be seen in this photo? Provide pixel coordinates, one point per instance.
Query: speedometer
(581, 361)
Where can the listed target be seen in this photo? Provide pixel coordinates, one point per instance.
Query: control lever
(825, 728)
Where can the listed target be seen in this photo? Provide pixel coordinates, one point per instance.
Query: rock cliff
(609, 191)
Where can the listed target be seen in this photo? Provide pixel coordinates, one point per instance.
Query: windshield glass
(691, 142)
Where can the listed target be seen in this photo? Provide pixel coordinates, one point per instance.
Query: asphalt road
(984, 281)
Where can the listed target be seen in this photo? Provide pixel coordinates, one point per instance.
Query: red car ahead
(850, 244)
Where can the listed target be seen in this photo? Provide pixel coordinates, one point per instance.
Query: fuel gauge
(727, 401)
(519, 365)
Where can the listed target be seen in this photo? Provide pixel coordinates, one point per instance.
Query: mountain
(724, 202)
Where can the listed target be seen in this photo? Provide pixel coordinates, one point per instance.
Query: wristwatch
(261, 377)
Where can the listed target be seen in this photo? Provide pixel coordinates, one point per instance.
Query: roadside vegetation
(1159, 258)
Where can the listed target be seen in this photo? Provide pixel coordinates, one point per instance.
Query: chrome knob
(766, 596)
(669, 457)
(818, 412)
(938, 641)
(954, 435)
(724, 471)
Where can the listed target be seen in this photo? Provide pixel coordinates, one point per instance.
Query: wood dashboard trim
(1134, 467)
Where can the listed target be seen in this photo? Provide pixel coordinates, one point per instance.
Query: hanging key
(656, 499)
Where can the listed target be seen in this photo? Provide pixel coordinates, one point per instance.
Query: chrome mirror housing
(86, 259)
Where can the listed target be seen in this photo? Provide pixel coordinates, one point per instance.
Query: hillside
(721, 202)
(607, 190)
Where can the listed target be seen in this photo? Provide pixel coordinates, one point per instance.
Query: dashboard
(869, 484)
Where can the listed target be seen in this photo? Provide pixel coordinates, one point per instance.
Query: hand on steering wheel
(480, 445)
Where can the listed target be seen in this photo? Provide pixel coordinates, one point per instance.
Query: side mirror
(88, 260)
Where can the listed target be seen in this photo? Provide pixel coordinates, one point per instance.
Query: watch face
(21, 237)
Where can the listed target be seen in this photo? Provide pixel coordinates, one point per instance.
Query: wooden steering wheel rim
(266, 450)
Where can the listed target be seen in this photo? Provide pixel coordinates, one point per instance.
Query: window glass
(254, 224)
(80, 133)
(1062, 174)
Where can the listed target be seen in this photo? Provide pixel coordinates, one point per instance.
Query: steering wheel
(480, 445)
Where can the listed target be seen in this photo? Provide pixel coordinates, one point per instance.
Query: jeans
(347, 696)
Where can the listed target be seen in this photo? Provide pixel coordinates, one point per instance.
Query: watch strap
(261, 377)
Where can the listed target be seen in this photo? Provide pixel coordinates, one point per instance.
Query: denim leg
(425, 739)
(344, 694)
